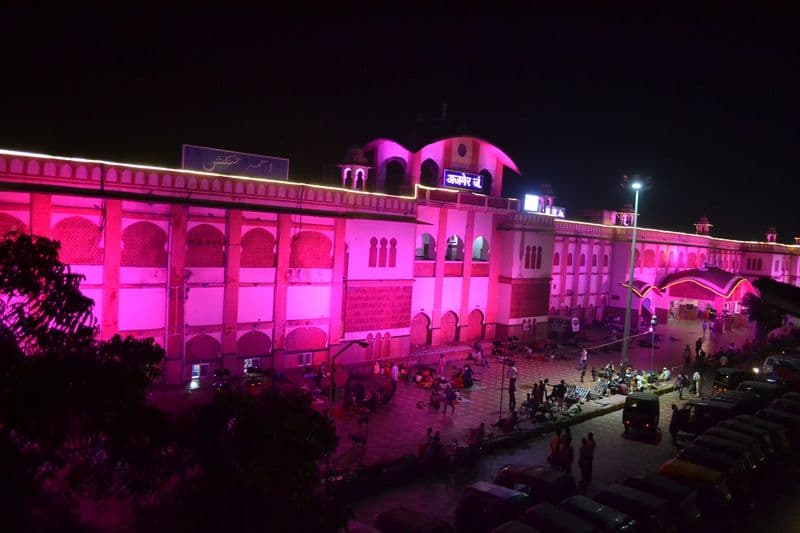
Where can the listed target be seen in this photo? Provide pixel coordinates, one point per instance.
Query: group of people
(562, 454)
(695, 384)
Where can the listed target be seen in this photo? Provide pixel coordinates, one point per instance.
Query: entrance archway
(420, 329)
(448, 328)
(429, 173)
(395, 177)
(475, 326)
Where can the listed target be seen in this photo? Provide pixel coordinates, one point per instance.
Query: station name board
(463, 180)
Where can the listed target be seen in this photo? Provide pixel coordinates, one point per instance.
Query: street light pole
(626, 341)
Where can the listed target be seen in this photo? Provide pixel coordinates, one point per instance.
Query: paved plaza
(396, 429)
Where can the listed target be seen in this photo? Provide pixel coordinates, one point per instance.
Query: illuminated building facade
(226, 271)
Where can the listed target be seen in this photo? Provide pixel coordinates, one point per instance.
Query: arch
(311, 249)
(420, 329)
(701, 261)
(538, 257)
(662, 258)
(373, 252)
(368, 350)
(80, 241)
(395, 176)
(672, 262)
(691, 261)
(429, 173)
(605, 260)
(386, 345)
(9, 224)
(448, 328)
(253, 343)
(649, 258)
(258, 248)
(426, 247)
(144, 245)
(383, 252)
(347, 178)
(475, 326)
(360, 182)
(594, 259)
(569, 260)
(480, 249)
(205, 247)
(556, 258)
(527, 256)
(306, 338)
(455, 249)
(487, 181)
(681, 260)
(375, 347)
(637, 259)
(202, 348)
(392, 253)
(583, 260)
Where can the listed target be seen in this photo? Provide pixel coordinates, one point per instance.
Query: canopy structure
(720, 282)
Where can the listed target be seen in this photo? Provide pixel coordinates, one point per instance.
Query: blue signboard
(237, 163)
(463, 180)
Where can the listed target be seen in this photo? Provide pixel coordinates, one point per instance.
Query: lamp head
(636, 185)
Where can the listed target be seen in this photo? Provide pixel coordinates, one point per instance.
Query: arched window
(143, 245)
(760, 264)
(347, 180)
(583, 260)
(455, 249)
(701, 261)
(373, 252)
(487, 181)
(649, 258)
(392, 253)
(359, 180)
(539, 257)
(556, 258)
(637, 258)
(594, 260)
(426, 247)
(605, 260)
(80, 241)
(429, 173)
(205, 246)
(672, 258)
(681, 261)
(383, 253)
(480, 249)
(258, 248)
(395, 176)
(569, 260)
(527, 257)
(311, 249)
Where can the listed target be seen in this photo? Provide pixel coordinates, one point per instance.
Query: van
(548, 517)
(652, 512)
(484, 506)
(682, 498)
(728, 378)
(602, 516)
(713, 493)
(403, 520)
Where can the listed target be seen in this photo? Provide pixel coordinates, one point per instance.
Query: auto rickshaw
(699, 415)
(548, 517)
(641, 411)
(746, 401)
(732, 467)
(728, 378)
(403, 520)
(484, 506)
(540, 483)
(651, 512)
(758, 432)
(514, 526)
(787, 405)
(765, 390)
(752, 443)
(604, 517)
(682, 498)
(713, 493)
(777, 432)
(789, 421)
(731, 447)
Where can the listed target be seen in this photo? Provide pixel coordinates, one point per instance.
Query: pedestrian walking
(512, 395)
(673, 424)
(687, 356)
(512, 373)
(705, 327)
(449, 399)
(440, 369)
(584, 357)
(680, 383)
(594, 374)
(585, 462)
(697, 378)
(559, 394)
(592, 445)
(583, 372)
(555, 446)
(698, 344)
(395, 377)
(566, 454)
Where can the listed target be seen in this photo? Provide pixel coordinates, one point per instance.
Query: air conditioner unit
(304, 358)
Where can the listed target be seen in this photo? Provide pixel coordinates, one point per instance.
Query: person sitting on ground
(666, 375)
(509, 423)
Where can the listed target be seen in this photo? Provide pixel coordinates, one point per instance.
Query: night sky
(706, 103)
